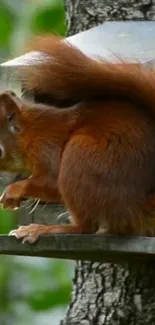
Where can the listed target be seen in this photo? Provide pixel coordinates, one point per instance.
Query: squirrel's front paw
(29, 233)
(12, 197)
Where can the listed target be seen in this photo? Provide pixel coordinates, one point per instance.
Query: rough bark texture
(112, 295)
(108, 294)
(83, 14)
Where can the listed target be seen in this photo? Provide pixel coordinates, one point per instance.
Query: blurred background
(32, 290)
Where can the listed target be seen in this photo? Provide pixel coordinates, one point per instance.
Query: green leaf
(49, 19)
(7, 20)
(49, 299)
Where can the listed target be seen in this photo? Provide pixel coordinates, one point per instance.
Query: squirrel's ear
(10, 105)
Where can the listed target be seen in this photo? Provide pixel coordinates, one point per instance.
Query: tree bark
(84, 14)
(110, 294)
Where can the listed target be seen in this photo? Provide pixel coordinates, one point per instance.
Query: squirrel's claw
(29, 233)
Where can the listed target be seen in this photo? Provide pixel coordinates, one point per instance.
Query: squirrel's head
(11, 158)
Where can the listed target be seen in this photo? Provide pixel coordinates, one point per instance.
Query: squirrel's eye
(14, 128)
(2, 151)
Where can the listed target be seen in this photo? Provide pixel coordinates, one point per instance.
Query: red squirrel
(97, 156)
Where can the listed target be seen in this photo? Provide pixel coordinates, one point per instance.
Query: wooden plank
(24, 218)
(84, 247)
(43, 214)
(48, 214)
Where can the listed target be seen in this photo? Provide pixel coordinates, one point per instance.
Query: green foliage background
(20, 19)
(32, 290)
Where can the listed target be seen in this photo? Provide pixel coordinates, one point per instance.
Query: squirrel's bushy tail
(64, 72)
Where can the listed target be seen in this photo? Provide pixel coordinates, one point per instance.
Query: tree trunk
(110, 294)
(84, 14)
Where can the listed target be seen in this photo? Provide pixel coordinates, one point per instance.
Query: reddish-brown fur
(98, 156)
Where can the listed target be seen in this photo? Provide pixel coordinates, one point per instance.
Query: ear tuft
(10, 93)
(10, 105)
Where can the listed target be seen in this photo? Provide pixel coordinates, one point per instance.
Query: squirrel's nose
(2, 151)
